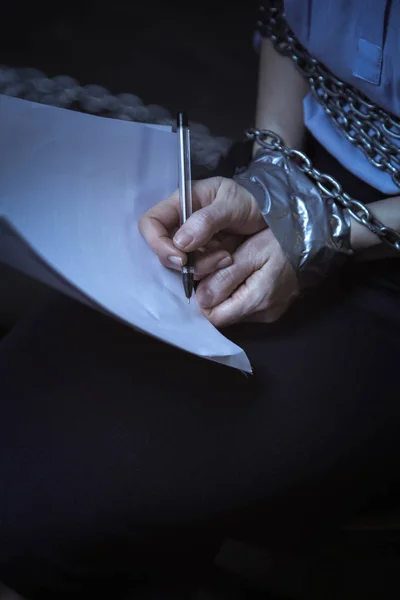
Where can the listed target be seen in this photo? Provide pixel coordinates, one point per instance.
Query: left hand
(259, 286)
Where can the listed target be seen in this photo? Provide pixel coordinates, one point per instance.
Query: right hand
(229, 211)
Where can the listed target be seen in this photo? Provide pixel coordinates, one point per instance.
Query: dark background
(198, 56)
(195, 55)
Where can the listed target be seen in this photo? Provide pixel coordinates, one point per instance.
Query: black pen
(185, 193)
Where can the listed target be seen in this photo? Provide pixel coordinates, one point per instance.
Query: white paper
(72, 188)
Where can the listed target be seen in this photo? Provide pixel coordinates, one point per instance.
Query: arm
(281, 90)
(387, 211)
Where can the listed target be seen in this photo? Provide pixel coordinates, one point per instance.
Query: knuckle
(224, 278)
(230, 193)
(230, 189)
(203, 220)
(242, 202)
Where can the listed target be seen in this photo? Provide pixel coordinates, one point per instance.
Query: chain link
(328, 185)
(363, 123)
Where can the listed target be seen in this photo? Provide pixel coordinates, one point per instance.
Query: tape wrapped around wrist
(314, 231)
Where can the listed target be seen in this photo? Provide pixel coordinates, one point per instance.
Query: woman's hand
(224, 213)
(245, 275)
(259, 286)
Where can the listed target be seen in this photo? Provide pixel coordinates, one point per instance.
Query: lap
(111, 440)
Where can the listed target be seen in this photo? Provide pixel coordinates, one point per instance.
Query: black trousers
(119, 453)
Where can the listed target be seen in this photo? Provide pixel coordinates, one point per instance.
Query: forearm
(281, 90)
(388, 212)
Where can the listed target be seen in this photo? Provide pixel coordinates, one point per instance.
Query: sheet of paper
(72, 188)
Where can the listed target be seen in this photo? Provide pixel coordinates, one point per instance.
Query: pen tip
(188, 300)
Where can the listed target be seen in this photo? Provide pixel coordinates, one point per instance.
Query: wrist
(313, 231)
(361, 237)
(292, 137)
(387, 211)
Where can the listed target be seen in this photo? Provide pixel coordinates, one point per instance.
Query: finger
(161, 222)
(210, 262)
(218, 286)
(232, 205)
(155, 226)
(247, 299)
(217, 254)
(166, 212)
(228, 242)
(160, 242)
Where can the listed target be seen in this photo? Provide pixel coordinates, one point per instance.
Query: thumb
(227, 207)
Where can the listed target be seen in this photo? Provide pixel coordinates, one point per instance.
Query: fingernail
(175, 260)
(183, 239)
(224, 262)
(204, 298)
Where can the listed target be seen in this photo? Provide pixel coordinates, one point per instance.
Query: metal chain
(65, 92)
(363, 123)
(328, 186)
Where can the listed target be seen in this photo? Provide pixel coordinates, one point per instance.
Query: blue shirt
(359, 41)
